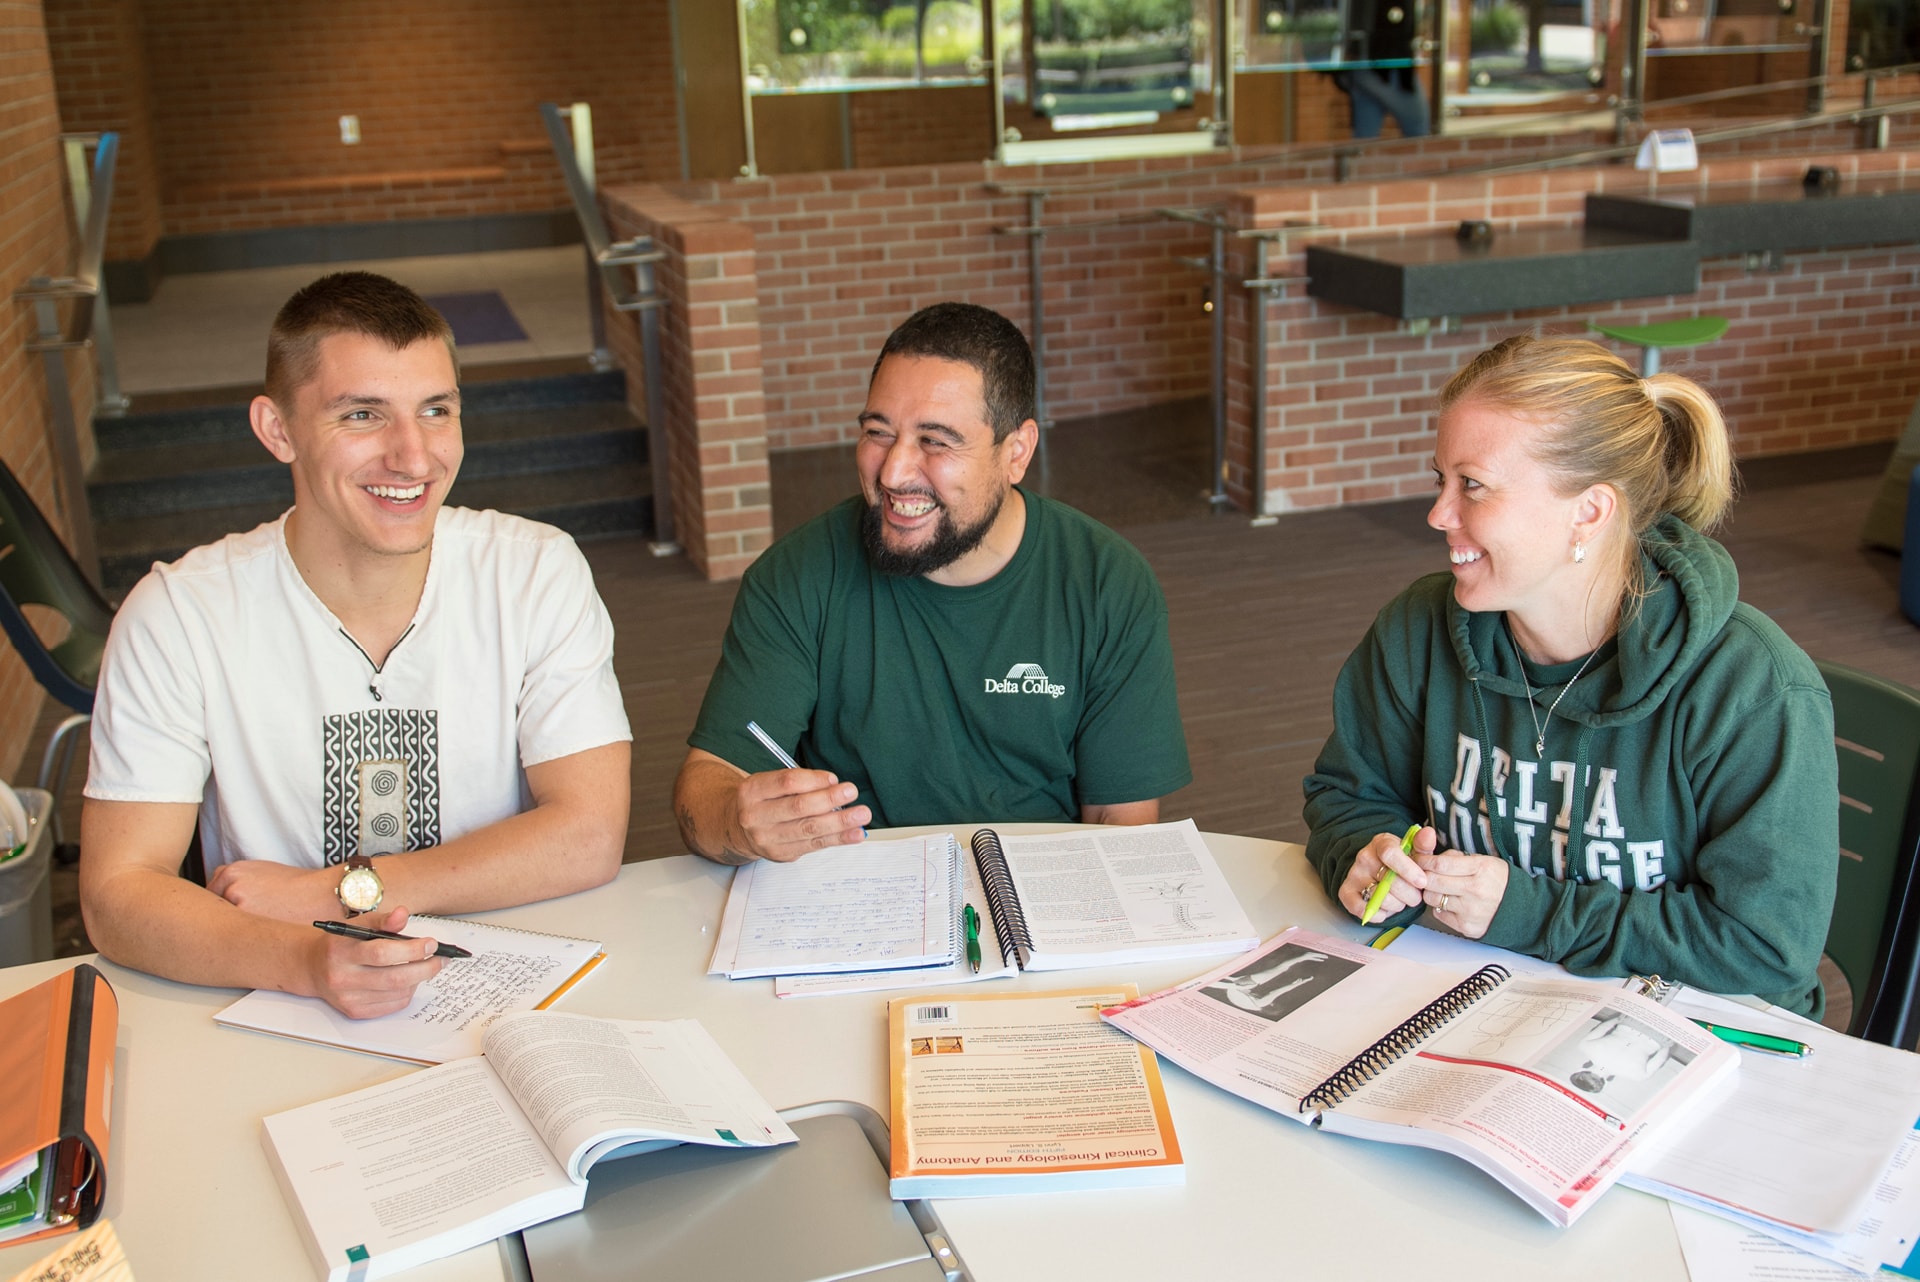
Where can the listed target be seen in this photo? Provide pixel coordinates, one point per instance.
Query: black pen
(362, 932)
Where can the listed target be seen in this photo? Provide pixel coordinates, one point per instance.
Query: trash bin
(26, 902)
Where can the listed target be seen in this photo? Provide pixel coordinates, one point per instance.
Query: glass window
(1533, 50)
(1719, 26)
(1883, 33)
(1077, 65)
(835, 45)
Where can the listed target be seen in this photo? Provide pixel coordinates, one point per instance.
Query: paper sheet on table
(1803, 1142)
(1884, 1236)
(873, 906)
(1719, 1250)
(992, 964)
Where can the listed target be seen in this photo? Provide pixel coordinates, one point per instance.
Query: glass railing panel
(1524, 52)
(802, 46)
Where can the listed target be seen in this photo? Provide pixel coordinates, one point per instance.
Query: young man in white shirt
(374, 705)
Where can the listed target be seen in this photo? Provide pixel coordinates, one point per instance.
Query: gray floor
(210, 329)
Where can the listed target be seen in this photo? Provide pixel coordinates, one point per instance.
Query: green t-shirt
(1047, 687)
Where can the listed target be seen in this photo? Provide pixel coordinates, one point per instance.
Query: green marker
(972, 919)
(1387, 877)
(1758, 1041)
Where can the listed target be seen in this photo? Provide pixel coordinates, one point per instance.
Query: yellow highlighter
(1387, 877)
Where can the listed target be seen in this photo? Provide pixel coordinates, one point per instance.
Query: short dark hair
(976, 336)
(346, 303)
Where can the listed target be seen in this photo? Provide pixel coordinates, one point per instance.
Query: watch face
(360, 889)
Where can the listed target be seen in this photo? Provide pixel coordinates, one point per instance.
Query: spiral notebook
(511, 969)
(1108, 896)
(1548, 1085)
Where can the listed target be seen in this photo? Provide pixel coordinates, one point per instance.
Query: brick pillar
(36, 239)
(710, 348)
(100, 71)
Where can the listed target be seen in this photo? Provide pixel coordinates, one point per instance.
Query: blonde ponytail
(1699, 455)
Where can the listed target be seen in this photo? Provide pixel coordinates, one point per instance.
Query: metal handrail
(83, 287)
(86, 321)
(1734, 133)
(1358, 147)
(1805, 82)
(608, 266)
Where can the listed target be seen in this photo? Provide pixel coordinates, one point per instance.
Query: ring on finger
(1368, 892)
(1443, 902)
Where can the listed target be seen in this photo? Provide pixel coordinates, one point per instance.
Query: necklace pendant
(1540, 747)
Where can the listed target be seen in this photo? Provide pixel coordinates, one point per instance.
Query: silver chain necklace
(1540, 727)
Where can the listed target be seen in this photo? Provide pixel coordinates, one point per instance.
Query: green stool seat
(1675, 333)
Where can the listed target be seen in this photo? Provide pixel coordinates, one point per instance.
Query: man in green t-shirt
(945, 648)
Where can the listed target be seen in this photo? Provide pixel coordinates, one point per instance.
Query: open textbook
(1107, 896)
(1076, 898)
(1023, 1093)
(1547, 1085)
(392, 1176)
(511, 969)
(1819, 1152)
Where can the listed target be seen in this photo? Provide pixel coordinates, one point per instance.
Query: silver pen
(779, 753)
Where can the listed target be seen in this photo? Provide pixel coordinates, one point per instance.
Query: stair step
(587, 503)
(229, 422)
(179, 478)
(562, 449)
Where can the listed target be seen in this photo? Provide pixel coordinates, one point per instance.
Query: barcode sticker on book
(932, 1014)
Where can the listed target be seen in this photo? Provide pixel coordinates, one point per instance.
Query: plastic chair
(1876, 913)
(37, 569)
(1690, 332)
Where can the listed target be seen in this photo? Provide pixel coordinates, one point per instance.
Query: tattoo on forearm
(691, 831)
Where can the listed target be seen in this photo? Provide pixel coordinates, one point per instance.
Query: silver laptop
(806, 1212)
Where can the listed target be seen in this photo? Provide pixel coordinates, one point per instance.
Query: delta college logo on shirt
(1025, 678)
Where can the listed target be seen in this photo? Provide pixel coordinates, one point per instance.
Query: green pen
(1758, 1041)
(1387, 877)
(972, 919)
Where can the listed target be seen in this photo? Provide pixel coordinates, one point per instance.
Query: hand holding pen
(368, 967)
(1385, 879)
(782, 814)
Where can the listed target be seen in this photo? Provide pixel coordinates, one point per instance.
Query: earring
(1579, 553)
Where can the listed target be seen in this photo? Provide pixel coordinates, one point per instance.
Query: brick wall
(1824, 352)
(920, 126)
(36, 238)
(245, 94)
(100, 69)
(710, 348)
(843, 257)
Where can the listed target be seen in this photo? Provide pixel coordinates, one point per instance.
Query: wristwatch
(360, 887)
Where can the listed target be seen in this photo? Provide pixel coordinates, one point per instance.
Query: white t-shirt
(228, 684)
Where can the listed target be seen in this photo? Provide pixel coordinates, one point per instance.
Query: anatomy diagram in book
(1177, 896)
(1510, 1017)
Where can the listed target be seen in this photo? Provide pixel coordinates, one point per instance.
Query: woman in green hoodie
(1617, 765)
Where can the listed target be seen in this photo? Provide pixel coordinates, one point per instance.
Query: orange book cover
(1024, 1092)
(57, 1042)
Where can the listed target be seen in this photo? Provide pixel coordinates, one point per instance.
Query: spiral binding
(1003, 901)
(957, 899)
(1413, 1030)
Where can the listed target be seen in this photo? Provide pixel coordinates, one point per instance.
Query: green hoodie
(1692, 765)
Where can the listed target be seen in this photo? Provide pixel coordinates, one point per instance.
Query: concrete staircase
(562, 449)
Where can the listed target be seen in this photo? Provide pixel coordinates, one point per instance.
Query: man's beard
(949, 542)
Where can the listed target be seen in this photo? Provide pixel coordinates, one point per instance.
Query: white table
(192, 1195)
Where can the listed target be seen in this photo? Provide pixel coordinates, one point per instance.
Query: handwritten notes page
(510, 970)
(875, 906)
